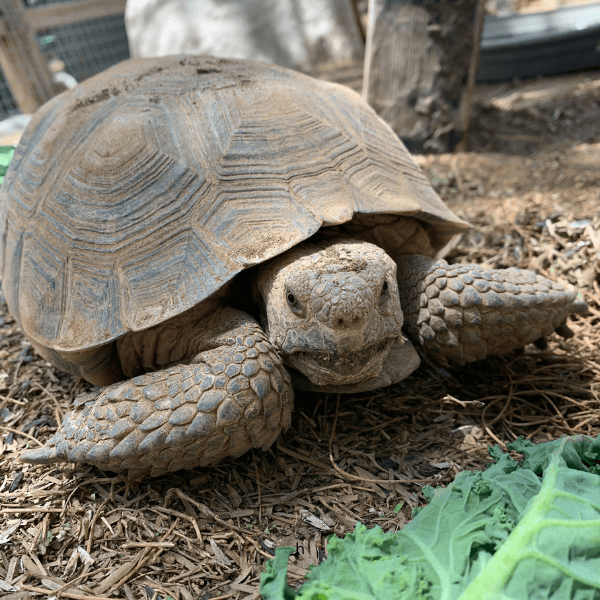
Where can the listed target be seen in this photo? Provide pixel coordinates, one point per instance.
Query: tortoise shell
(139, 193)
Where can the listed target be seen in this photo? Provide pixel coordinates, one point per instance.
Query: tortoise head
(332, 309)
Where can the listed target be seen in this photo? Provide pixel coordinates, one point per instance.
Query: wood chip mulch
(76, 532)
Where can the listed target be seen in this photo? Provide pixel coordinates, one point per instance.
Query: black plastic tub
(528, 45)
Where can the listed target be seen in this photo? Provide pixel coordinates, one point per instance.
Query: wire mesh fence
(8, 106)
(37, 61)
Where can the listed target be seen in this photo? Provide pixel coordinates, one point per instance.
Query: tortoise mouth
(323, 367)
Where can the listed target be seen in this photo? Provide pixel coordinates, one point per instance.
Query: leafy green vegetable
(501, 534)
(273, 580)
(6, 154)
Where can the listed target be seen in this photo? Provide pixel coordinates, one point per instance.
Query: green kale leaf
(511, 532)
(6, 154)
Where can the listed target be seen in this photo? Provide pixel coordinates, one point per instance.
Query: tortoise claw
(564, 331)
(580, 306)
(41, 456)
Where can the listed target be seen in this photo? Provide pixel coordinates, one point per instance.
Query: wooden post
(467, 99)
(22, 63)
(416, 67)
(53, 15)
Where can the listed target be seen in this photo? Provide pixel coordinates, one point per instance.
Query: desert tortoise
(155, 240)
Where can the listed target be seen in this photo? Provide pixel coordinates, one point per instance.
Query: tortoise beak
(339, 361)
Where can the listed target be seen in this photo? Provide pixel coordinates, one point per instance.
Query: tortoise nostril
(340, 321)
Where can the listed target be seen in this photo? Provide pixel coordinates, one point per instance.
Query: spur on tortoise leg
(195, 236)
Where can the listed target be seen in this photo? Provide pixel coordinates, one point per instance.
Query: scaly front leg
(229, 399)
(467, 312)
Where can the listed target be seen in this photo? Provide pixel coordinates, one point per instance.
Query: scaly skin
(217, 384)
(232, 398)
(465, 312)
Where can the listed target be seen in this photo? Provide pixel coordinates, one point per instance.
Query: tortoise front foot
(231, 399)
(466, 312)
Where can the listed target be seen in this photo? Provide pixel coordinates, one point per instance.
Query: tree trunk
(417, 65)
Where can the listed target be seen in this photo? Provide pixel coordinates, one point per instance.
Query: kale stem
(489, 584)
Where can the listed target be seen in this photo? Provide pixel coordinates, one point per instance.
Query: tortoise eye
(384, 292)
(294, 303)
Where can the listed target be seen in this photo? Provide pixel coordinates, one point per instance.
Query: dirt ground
(530, 185)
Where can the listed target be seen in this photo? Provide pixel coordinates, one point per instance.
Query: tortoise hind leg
(229, 399)
(466, 312)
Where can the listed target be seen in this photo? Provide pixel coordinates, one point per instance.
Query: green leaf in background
(47, 39)
(499, 534)
(6, 154)
(273, 580)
